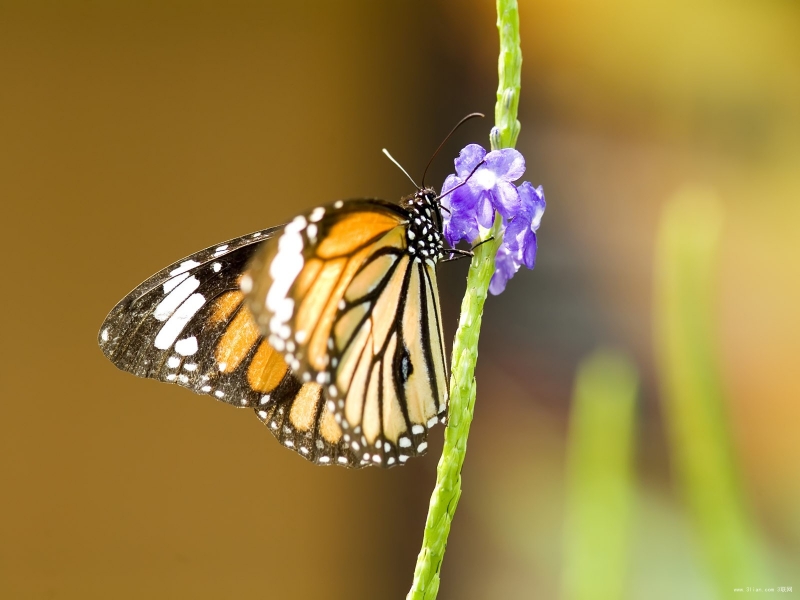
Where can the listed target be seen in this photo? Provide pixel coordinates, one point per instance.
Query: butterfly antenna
(459, 124)
(399, 166)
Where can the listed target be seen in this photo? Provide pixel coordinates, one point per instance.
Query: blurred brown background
(134, 133)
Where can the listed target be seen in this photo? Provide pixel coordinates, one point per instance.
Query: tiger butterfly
(329, 328)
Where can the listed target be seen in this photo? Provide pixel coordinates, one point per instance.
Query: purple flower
(482, 192)
(519, 240)
(484, 186)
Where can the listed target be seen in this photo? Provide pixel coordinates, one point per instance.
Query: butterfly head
(424, 233)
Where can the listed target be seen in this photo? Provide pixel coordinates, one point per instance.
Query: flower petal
(485, 211)
(468, 159)
(506, 163)
(449, 183)
(515, 232)
(505, 199)
(505, 268)
(533, 203)
(529, 250)
(461, 222)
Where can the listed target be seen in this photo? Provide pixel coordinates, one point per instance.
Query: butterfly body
(328, 327)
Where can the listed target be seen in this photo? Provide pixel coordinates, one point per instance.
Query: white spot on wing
(217, 267)
(187, 346)
(175, 324)
(316, 214)
(104, 335)
(184, 266)
(174, 299)
(173, 362)
(170, 284)
(246, 284)
(284, 269)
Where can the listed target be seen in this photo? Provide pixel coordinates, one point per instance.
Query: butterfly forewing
(168, 328)
(188, 325)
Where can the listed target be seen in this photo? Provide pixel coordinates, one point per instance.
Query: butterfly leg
(464, 253)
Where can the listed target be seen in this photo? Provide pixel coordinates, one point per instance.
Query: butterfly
(329, 328)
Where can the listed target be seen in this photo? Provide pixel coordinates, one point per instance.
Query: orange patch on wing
(369, 277)
(347, 366)
(236, 342)
(329, 429)
(304, 408)
(371, 418)
(307, 277)
(356, 394)
(347, 323)
(318, 345)
(318, 296)
(353, 231)
(266, 369)
(225, 305)
(384, 314)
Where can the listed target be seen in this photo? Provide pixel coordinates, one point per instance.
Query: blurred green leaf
(599, 474)
(687, 246)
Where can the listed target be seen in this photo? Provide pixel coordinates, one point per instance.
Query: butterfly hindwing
(390, 364)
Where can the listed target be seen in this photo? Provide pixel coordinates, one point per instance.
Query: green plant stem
(447, 491)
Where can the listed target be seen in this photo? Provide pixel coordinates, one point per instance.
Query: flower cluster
(481, 187)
